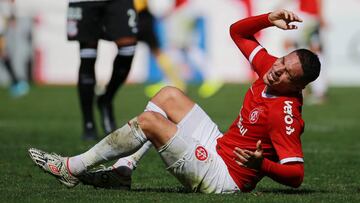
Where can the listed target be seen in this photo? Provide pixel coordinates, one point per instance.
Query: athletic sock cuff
(155, 108)
(127, 50)
(137, 131)
(88, 53)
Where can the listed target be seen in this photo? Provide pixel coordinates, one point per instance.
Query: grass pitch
(49, 118)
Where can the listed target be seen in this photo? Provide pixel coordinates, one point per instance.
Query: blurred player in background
(202, 37)
(18, 87)
(89, 21)
(190, 20)
(263, 140)
(148, 35)
(310, 37)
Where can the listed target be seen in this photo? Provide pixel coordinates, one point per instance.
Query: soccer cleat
(90, 132)
(55, 165)
(209, 88)
(109, 178)
(151, 90)
(107, 115)
(19, 89)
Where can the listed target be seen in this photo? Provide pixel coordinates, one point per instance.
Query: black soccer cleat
(90, 132)
(107, 114)
(108, 177)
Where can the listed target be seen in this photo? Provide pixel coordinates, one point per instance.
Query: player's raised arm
(242, 32)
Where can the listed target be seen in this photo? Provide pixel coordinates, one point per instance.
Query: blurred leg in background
(148, 34)
(87, 23)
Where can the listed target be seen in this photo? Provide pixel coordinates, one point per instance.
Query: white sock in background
(132, 160)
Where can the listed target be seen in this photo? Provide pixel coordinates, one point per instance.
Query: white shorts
(192, 158)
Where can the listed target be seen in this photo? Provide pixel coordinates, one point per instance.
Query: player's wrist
(267, 22)
(259, 164)
(265, 165)
(269, 18)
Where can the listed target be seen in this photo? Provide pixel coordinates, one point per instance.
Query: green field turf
(48, 118)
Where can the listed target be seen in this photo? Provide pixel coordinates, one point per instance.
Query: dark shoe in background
(106, 114)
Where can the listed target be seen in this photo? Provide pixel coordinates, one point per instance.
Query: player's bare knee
(167, 95)
(156, 128)
(125, 41)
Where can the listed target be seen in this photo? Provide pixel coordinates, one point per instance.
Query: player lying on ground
(264, 140)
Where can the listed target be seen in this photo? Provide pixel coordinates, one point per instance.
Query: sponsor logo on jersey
(242, 129)
(201, 153)
(288, 119)
(254, 115)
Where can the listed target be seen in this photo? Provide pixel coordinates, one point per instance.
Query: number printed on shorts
(132, 20)
(74, 13)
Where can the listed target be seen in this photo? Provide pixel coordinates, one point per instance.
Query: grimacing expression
(285, 75)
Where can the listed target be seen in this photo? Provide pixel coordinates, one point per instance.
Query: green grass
(49, 118)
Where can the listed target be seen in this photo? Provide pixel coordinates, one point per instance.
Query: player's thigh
(84, 21)
(198, 168)
(199, 126)
(192, 157)
(120, 20)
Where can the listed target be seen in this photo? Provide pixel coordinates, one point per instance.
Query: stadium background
(48, 117)
(56, 60)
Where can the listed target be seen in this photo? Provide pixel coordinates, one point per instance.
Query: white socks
(155, 108)
(127, 141)
(132, 160)
(122, 142)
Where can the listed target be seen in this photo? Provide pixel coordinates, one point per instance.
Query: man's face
(284, 76)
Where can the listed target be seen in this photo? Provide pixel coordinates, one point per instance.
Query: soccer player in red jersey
(264, 140)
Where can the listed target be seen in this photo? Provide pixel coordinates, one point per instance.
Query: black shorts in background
(147, 32)
(108, 20)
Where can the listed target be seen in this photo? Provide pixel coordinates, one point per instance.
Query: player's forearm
(288, 174)
(246, 28)
(242, 32)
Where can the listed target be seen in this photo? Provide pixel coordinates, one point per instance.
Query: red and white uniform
(275, 120)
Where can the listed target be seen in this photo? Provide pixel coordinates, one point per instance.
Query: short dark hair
(310, 64)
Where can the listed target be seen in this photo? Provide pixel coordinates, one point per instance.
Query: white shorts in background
(192, 158)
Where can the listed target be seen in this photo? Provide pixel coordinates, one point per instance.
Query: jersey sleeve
(291, 174)
(242, 32)
(286, 127)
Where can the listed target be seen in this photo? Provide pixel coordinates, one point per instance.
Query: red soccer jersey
(274, 120)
